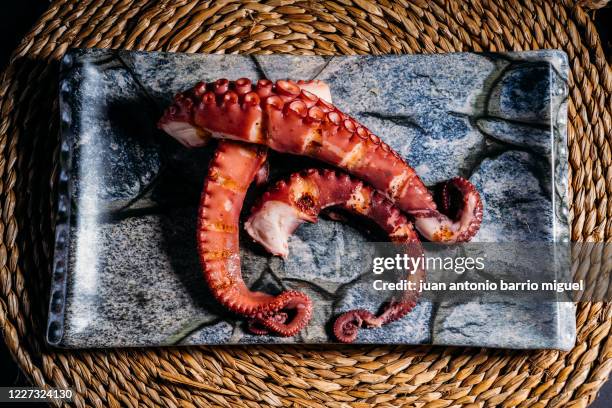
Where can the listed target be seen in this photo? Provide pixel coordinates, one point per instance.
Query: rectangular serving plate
(126, 270)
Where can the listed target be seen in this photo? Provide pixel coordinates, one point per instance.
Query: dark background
(17, 17)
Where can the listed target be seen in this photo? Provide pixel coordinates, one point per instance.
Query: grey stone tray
(126, 271)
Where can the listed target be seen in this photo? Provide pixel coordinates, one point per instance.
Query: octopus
(298, 118)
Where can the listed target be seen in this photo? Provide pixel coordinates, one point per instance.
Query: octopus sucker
(333, 189)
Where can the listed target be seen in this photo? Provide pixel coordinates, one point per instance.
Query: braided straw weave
(288, 375)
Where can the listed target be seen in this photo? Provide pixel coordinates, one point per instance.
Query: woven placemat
(291, 375)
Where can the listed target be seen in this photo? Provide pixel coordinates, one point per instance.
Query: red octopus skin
(289, 119)
(301, 198)
(232, 169)
(234, 166)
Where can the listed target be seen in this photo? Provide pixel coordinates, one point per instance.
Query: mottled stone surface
(520, 135)
(275, 67)
(514, 179)
(134, 277)
(127, 159)
(523, 94)
(460, 324)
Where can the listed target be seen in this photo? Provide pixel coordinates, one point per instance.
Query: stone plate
(126, 271)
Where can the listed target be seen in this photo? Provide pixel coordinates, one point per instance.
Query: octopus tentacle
(290, 119)
(301, 198)
(233, 168)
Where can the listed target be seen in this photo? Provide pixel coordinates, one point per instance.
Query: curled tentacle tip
(468, 205)
(280, 322)
(459, 213)
(347, 325)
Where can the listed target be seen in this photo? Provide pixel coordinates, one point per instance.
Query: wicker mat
(290, 375)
